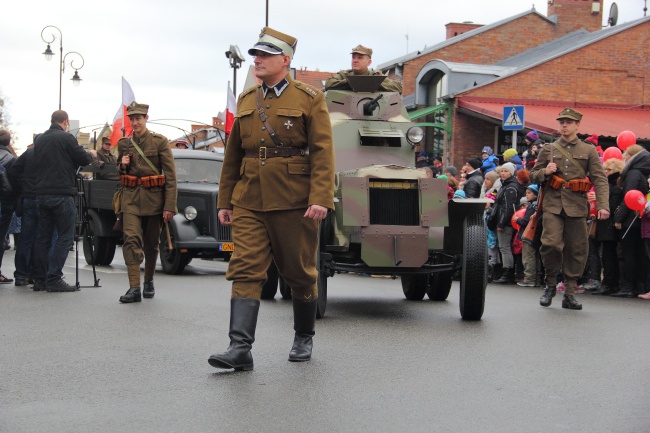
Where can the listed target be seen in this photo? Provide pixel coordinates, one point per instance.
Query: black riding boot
(148, 291)
(547, 297)
(508, 276)
(131, 295)
(243, 321)
(570, 302)
(304, 323)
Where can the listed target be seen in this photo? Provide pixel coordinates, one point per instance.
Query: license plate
(227, 246)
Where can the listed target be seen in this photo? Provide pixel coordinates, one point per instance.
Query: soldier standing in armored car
(277, 183)
(148, 177)
(361, 60)
(564, 166)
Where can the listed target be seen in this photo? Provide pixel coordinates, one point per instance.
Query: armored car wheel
(473, 279)
(285, 290)
(102, 248)
(173, 261)
(439, 286)
(270, 288)
(415, 286)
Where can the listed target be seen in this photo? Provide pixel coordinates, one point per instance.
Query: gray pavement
(81, 362)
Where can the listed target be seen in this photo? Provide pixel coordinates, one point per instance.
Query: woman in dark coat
(607, 235)
(506, 203)
(634, 176)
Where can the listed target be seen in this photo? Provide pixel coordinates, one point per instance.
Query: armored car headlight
(190, 213)
(415, 135)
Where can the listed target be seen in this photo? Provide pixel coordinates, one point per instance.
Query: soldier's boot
(243, 321)
(304, 323)
(508, 276)
(570, 302)
(547, 297)
(148, 291)
(131, 295)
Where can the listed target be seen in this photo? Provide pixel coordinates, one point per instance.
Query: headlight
(190, 213)
(415, 134)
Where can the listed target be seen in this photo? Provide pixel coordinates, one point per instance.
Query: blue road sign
(513, 118)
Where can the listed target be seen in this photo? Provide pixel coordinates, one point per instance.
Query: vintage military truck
(194, 232)
(389, 219)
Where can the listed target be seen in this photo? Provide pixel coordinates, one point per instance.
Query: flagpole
(122, 104)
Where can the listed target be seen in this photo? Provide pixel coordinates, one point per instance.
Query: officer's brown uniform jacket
(143, 201)
(575, 204)
(338, 81)
(300, 118)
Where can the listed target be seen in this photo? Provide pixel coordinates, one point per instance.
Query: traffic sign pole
(514, 139)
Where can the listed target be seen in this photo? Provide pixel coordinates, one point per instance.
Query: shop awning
(606, 122)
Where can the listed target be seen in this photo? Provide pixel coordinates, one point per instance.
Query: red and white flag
(121, 125)
(231, 110)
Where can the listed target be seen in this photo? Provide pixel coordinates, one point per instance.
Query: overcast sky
(173, 52)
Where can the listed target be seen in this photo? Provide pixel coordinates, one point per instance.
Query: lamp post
(49, 54)
(236, 59)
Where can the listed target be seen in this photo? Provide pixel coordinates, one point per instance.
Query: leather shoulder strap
(265, 120)
(570, 158)
(137, 148)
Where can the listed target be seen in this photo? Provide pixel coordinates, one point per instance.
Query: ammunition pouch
(152, 181)
(575, 185)
(128, 180)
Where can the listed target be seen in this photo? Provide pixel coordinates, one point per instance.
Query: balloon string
(628, 229)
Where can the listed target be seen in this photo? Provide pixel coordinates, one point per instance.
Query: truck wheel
(415, 286)
(270, 288)
(173, 262)
(473, 275)
(285, 290)
(439, 286)
(103, 247)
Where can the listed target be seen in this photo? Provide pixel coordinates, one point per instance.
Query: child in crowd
(530, 253)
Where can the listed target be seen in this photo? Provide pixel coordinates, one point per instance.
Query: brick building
(458, 88)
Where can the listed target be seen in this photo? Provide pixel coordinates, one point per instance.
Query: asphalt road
(82, 362)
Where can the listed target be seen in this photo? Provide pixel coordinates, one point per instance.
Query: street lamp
(236, 59)
(49, 54)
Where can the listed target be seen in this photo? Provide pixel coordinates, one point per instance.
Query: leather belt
(274, 152)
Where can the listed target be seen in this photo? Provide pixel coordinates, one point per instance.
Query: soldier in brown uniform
(148, 177)
(104, 156)
(564, 165)
(277, 183)
(361, 59)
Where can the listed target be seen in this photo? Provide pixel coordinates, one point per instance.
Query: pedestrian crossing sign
(513, 118)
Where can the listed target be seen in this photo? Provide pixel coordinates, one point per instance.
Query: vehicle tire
(173, 262)
(473, 276)
(415, 286)
(285, 290)
(439, 286)
(103, 248)
(270, 288)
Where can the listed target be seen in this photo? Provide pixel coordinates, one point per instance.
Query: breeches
(564, 246)
(141, 237)
(285, 237)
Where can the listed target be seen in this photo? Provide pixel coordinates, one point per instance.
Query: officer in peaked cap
(277, 183)
(563, 166)
(148, 197)
(361, 60)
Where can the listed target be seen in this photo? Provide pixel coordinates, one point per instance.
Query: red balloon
(635, 200)
(519, 214)
(613, 152)
(625, 139)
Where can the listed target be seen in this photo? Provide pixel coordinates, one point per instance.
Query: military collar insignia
(277, 89)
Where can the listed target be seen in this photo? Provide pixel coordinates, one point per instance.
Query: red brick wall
(488, 47)
(469, 136)
(568, 10)
(456, 29)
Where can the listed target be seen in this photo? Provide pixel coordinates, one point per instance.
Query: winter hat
(533, 188)
(423, 154)
(459, 194)
(523, 200)
(593, 139)
(451, 169)
(509, 154)
(492, 175)
(488, 150)
(532, 135)
(510, 167)
(475, 163)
